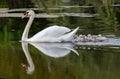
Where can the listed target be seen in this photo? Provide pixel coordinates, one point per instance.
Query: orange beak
(25, 15)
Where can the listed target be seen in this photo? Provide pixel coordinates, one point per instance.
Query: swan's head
(28, 13)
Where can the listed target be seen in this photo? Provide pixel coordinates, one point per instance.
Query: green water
(93, 62)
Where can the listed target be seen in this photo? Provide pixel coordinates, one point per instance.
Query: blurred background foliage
(106, 22)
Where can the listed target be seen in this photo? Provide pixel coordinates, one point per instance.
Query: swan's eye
(26, 13)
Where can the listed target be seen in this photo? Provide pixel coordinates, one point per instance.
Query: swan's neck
(27, 28)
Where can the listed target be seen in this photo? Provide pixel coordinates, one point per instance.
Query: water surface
(81, 60)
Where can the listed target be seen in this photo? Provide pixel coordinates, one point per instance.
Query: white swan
(50, 34)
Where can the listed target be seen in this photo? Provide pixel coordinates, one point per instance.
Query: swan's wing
(51, 32)
(69, 36)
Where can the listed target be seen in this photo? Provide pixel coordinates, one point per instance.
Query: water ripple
(109, 41)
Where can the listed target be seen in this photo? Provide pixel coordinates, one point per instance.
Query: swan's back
(50, 32)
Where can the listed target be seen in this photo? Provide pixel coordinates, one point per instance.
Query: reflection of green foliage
(97, 62)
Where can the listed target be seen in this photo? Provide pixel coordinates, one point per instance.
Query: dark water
(82, 60)
(59, 60)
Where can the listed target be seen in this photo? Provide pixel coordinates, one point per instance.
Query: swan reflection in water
(55, 50)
